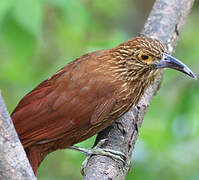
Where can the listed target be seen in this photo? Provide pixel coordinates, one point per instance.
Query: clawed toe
(116, 155)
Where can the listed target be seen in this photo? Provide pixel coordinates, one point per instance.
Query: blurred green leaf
(28, 13)
(5, 6)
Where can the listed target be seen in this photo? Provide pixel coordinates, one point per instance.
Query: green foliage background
(37, 37)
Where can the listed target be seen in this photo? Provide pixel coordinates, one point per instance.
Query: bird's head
(146, 56)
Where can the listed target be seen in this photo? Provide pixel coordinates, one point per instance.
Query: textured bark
(14, 164)
(164, 23)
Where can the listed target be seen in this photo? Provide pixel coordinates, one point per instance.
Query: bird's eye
(144, 57)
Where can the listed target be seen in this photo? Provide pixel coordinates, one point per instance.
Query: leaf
(28, 14)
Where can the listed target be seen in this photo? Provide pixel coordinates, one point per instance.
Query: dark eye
(144, 56)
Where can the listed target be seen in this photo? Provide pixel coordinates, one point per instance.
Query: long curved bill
(173, 63)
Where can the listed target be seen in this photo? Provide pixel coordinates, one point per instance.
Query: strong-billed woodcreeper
(88, 94)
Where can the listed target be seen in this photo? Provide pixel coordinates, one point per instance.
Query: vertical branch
(14, 164)
(164, 23)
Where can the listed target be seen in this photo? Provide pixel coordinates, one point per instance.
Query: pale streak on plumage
(130, 69)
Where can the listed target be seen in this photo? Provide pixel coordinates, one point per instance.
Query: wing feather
(66, 102)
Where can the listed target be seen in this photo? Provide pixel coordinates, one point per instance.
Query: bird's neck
(133, 79)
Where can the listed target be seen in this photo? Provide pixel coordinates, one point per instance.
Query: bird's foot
(116, 155)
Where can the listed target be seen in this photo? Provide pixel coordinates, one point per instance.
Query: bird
(88, 95)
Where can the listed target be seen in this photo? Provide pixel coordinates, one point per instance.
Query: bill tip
(195, 77)
(191, 74)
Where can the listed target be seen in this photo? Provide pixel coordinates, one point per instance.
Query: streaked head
(150, 54)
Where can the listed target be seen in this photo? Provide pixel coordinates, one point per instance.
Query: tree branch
(14, 164)
(164, 23)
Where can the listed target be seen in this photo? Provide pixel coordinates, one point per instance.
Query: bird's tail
(35, 157)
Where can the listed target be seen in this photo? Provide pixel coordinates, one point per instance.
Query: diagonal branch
(14, 164)
(164, 23)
